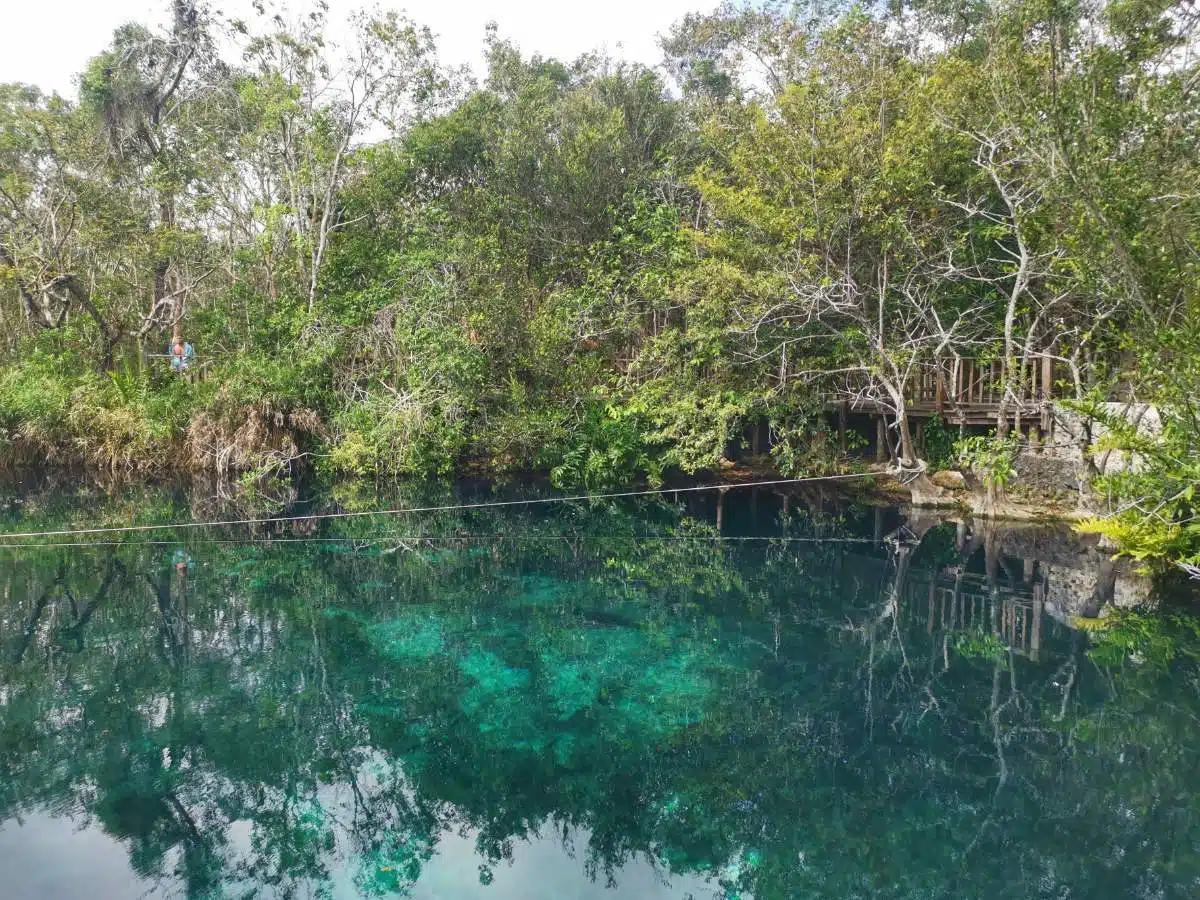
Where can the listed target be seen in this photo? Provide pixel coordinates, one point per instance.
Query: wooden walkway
(968, 391)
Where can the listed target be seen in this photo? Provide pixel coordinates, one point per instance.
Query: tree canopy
(596, 269)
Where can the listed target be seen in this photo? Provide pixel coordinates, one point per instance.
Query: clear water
(585, 701)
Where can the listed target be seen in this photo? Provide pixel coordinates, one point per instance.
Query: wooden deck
(968, 392)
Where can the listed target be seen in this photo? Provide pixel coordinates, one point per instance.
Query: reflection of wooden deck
(959, 601)
(954, 600)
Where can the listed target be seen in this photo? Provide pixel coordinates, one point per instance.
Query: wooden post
(881, 453)
(1020, 398)
(939, 400)
(1047, 392)
(721, 508)
(843, 423)
(991, 556)
(1035, 636)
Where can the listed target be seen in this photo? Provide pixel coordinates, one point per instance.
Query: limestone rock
(927, 494)
(949, 479)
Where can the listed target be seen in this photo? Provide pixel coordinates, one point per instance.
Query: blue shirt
(179, 363)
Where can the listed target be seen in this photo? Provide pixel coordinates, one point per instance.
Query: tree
(43, 232)
(309, 110)
(141, 92)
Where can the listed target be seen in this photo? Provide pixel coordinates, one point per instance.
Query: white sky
(46, 42)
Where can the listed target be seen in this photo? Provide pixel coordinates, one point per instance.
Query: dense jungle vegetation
(597, 270)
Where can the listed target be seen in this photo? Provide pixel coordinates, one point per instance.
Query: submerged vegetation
(598, 270)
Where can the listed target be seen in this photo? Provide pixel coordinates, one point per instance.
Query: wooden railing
(194, 372)
(967, 390)
(956, 600)
(974, 382)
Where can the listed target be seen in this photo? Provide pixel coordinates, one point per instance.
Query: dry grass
(258, 437)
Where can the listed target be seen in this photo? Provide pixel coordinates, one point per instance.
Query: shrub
(610, 448)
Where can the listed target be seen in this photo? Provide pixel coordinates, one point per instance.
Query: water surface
(609, 700)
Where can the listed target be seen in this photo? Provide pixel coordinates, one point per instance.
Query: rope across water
(493, 504)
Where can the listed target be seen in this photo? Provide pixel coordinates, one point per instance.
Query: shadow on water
(613, 699)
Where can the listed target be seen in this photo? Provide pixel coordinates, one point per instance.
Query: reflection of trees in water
(791, 717)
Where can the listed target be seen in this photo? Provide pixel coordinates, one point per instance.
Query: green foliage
(1153, 498)
(979, 645)
(34, 398)
(609, 449)
(939, 443)
(576, 267)
(121, 421)
(990, 456)
(803, 444)
(398, 434)
(1144, 639)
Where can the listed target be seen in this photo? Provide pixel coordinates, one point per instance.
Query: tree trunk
(908, 455)
(162, 265)
(34, 311)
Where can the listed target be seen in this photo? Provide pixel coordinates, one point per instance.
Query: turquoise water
(609, 700)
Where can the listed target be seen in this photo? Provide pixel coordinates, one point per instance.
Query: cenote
(610, 699)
